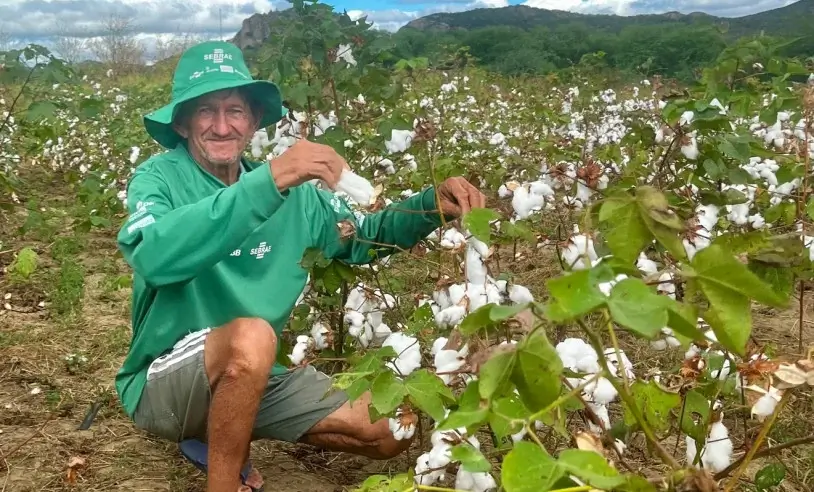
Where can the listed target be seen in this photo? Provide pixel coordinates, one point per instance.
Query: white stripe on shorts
(185, 348)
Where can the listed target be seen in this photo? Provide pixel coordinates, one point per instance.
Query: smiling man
(215, 242)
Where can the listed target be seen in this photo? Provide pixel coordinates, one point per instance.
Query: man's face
(218, 127)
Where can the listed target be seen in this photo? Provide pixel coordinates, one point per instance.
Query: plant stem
(764, 452)
(629, 401)
(764, 431)
(559, 401)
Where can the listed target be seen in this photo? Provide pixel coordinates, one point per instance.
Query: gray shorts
(175, 401)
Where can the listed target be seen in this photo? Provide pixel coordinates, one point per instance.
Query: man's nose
(220, 125)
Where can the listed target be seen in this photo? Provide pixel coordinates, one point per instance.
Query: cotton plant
(430, 466)
(716, 450)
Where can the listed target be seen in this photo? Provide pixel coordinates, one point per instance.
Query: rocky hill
(797, 17)
(258, 27)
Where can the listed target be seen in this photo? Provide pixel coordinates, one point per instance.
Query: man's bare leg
(349, 430)
(238, 358)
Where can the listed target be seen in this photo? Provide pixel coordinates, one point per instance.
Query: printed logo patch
(260, 251)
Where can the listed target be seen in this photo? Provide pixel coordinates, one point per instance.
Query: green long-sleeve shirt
(204, 253)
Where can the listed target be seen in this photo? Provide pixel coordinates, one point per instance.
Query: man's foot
(254, 481)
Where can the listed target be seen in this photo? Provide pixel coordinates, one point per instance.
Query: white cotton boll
(479, 246)
(587, 363)
(400, 140)
(381, 331)
(717, 454)
(604, 392)
(503, 191)
(764, 406)
(524, 203)
(613, 363)
(456, 293)
(660, 344)
(493, 295)
(519, 294)
(601, 411)
(318, 333)
(442, 298)
(134, 153)
(355, 186)
(646, 265)
(477, 296)
(673, 342)
(580, 252)
(408, 350)
(356, 299)
(690, 150)
(451, 316)
(438, 345)
(474, 482)
(354, 318)
(541, 189)
(440, 455)
(423, 475)
(475, 268)
(299, 350)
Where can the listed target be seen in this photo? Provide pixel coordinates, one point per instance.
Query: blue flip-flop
(196, 452)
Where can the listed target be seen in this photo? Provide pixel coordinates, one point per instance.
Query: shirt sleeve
(400, 225)
(165, 244)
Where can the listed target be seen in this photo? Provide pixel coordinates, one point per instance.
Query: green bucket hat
(208, 67)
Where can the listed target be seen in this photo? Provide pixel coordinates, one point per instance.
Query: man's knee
(245, 347)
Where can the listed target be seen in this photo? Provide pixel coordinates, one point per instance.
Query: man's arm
(402, 224)
(167, 245)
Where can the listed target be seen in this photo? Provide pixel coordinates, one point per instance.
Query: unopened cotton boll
(357, 187)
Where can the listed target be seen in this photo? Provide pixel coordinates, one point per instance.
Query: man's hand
(458, 197)
(304, 161)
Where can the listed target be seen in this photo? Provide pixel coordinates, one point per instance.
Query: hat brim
(159, 123)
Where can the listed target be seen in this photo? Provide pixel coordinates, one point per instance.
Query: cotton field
(663, 217)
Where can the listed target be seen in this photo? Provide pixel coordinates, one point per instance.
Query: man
(215, 243)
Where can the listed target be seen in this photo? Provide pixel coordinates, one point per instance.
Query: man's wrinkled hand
(458, 196)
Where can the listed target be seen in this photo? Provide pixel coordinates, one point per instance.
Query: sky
(24, 21)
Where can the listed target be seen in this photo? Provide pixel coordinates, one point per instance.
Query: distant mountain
(795, 18)
(257, 28)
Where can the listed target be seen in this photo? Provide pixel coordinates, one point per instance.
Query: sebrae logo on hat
(218, 56)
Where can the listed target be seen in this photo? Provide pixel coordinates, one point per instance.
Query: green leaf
(387, 392)
(728, 285)
(655, 404)
(634, 305)
(428, 392)
(590, 467)
(626, 232)
(494, 375)
(471, 411)
(696, 408)
(504, 411)
(537, 371)
(25, 264)
(472, 460)
(488, 315)
(40, 110)
(527, 468)
(769, 476)
(577, 293)
(683, 319)
(477, 222)
(664, 224)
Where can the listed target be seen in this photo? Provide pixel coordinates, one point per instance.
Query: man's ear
(180, 129)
